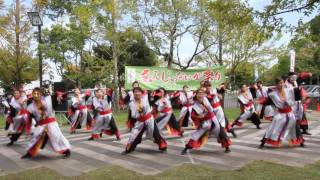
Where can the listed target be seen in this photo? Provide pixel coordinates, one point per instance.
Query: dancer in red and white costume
(105, 123)
(203, 114)
(264, 111)
(47, 128)
(185, 100)
(20, 122)
(140, 111)
(80, 116)
(284, 125)
(7, 111)
(163, 113)
(248, 112)
(297, 108)
(129, 96)
(215, 100)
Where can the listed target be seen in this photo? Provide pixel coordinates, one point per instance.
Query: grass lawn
(2, 122)
(259, 170)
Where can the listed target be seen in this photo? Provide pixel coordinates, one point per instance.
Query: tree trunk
(220, 44)
(17, 42)
(115, 55)
(170, 58)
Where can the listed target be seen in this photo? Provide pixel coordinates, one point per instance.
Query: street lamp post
(36, 20)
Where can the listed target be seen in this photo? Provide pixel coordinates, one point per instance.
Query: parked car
(308, 87)
(313, 90)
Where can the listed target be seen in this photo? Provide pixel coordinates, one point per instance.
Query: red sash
(285, 110)
(187, 105)
(47, 121)
(166, 110)
(23, 112)
(262, 100)
(105, 112)
(250, 103)
(215, 105)
(145, 117)
(81, 107)
(209, 116)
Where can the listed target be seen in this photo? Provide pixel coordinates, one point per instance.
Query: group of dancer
(151, 112)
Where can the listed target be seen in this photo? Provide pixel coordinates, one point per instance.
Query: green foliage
(306, 44)
(240, 40)
(277, 7)
(65, 46)
(281, 68)
(16, 63)
(244, 73)
(134, 52)
(3, 20)
(230, 14)
(164, 23)
(11, 69)
(225, 32)
(270, 15)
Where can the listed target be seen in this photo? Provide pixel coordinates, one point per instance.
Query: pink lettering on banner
(208, 75)
(156, 76)
(217, 76)
(183, 77)
(196, 76)
(145, 76)
(163, 77)
(180, 76)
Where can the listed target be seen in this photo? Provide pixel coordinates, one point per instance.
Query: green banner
(151, 78)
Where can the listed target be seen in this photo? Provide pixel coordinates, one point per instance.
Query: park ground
(257, 167)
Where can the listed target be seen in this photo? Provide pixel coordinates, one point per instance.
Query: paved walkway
(90, 155)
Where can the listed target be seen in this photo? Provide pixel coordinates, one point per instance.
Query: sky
(187, 44)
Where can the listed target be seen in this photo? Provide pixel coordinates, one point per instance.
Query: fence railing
(231, 100)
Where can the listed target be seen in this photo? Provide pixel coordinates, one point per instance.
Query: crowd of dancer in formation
(151, 113)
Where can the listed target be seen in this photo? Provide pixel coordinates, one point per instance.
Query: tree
(315, 30)
(306, 44)
(270, 15)
(134, 52)
(239, 39)
(67, 44)
(64, 46)
(16, 63)
(244, 74)
(286, 6)
(164, 23)
(3, 19)
(225, 17)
